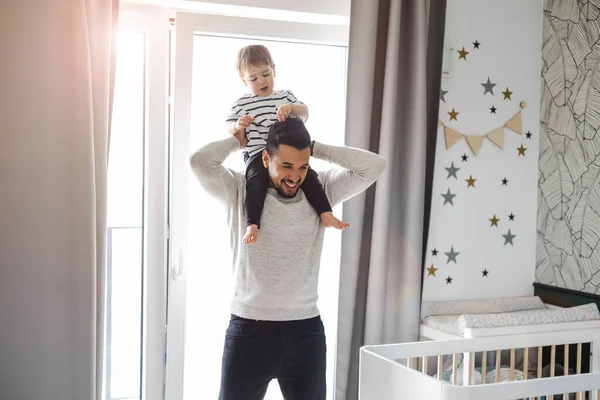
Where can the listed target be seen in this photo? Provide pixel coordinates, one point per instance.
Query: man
(275, 331)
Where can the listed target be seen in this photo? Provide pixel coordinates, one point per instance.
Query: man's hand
(243, 123)
(284, 112)
(241, 137)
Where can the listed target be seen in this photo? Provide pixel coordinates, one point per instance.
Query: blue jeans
(293, 352)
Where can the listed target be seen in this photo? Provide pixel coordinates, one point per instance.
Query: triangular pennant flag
(451, 137)
(516, 124)
(497, 137)
(475, 143)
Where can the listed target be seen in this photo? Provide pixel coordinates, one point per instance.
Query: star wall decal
(431, 271)
(489, 86)
(511, 217)
(470, 181)
(485, 273)
(521, 151)
(494, 221)
(464, 157)
(504, 182)
(452, 255)
(452, 170)
(493, 110)
(507, 94)
(442, 94)
(434, 252)
(462, 54)
(448, 280)
(453, 114)
(476, 44)
(448, 197)
(508, 238)
(528, 135)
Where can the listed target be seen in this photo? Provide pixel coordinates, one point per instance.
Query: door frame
(186, 26)
(153, 23)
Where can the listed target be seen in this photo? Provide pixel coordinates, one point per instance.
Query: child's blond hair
(256, 55)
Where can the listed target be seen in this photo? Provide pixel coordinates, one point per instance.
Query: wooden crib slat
(552, 366)
(566, 359)
(566, 366)
(470, 370)
(539, 366)
(512, 364)
(454, 367)
(552, 360)
(483, 366)
(525, 363)
(578, 368)
(424, 365)
(440, 366)
(498, 366)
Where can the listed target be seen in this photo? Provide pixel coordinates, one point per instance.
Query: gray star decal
(442, 94)
(508, 238)
(452, 170)
(448, 197)
(489, 86)
(452, 255)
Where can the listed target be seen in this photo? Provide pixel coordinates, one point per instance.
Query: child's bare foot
(251, 234)
(328, 220)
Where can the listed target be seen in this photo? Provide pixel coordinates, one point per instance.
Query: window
(125, 222)
(136, 221)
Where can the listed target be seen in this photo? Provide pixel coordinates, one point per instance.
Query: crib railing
(489, 368)
(473, 359)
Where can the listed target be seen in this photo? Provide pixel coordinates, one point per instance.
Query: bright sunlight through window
(124, 236)
(317, 76)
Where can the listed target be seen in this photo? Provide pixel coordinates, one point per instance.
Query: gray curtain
(57, 80)
(394, 76)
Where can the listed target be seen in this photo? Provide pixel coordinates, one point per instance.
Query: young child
(254, 113)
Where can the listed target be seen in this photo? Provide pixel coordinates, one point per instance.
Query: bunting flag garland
(514, 124)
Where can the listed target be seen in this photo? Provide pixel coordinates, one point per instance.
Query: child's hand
(243, 123)
(241, 136)
(284, 112)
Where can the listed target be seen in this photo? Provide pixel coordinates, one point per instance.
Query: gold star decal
(462, 54)
(507, 94)
(470, 181)
(431, 270)
(494, 221)
(521, 150)
(453, 114)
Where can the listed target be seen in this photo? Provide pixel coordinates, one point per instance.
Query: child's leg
(313, 190)
(257, 183)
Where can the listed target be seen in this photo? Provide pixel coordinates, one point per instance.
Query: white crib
(396, 371)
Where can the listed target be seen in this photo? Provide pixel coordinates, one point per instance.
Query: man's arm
(358, 169)
(207, 165)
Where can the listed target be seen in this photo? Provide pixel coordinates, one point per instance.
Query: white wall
(510, 35)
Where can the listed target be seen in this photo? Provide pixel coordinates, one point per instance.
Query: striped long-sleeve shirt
(264, 110)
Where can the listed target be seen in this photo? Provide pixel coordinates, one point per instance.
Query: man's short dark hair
(290, 132)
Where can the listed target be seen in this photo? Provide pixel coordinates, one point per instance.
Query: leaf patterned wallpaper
(568, 220)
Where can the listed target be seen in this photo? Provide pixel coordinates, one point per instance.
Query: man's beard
(282, 193)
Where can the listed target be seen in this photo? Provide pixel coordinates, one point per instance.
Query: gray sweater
(275, 279)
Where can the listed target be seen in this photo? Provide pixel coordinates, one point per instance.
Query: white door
(311, 61)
